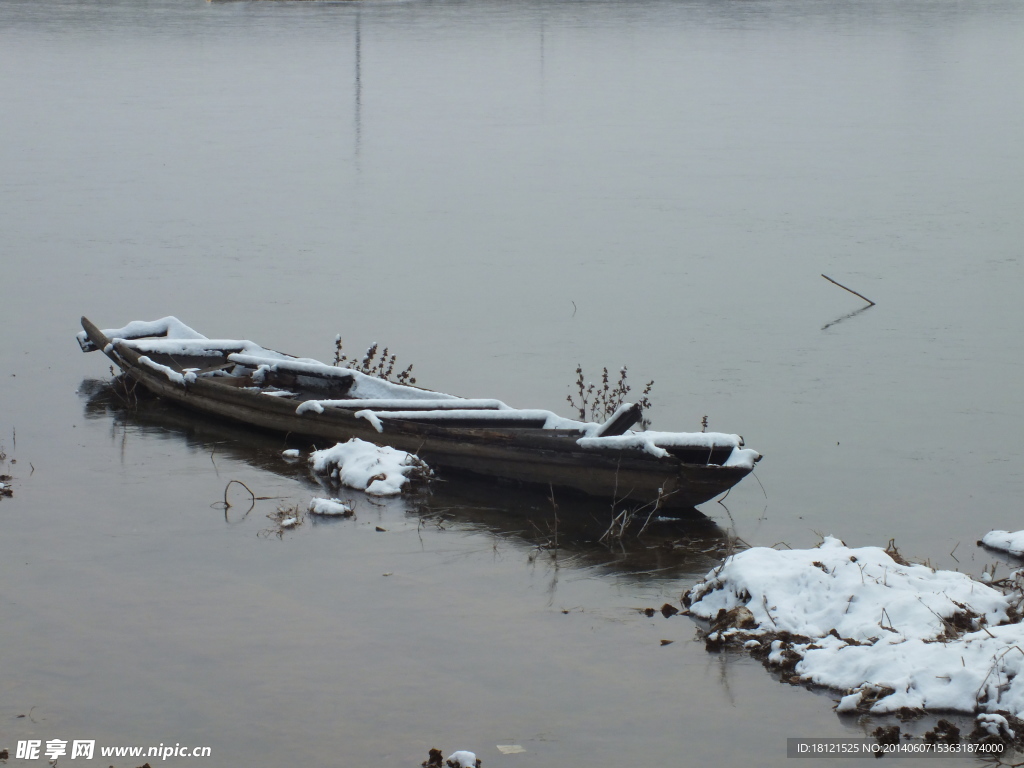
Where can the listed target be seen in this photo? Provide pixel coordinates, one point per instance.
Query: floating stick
(869, 301)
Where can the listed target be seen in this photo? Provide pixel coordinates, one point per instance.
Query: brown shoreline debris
(887, 734)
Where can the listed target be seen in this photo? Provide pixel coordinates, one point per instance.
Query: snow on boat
(244, 382)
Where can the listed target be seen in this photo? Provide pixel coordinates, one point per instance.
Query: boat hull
(545, 457)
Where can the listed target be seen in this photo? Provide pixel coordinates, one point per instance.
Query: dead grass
(285, 518)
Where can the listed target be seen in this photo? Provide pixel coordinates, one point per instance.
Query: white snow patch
(200, 347)
(1006, 541)
(599, 432)
(447, 403)
(172, 375)
(329, 508)
(378, 470)
(462, 759)
(168, 327)
(445, 410)
(291, 453)
(371, 388)
(266, 360)
(550, 420)
(371, 417)
(996, 725)
(742, 457)
(655, 444)
(881, 631)
(289, 522)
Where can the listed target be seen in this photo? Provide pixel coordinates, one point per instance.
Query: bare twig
(554, 508)
(227, 504)
(869, 301)
(759, 483)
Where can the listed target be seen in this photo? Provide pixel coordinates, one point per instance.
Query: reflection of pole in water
(358, 88)
(542, 45)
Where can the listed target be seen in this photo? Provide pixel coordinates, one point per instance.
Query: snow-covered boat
(247, 383)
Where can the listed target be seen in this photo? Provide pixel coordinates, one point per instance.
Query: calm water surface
(498, 191)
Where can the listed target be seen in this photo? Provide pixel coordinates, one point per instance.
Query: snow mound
(462, 759)
(888, 633)
(329, 508)
(377, 470)
(1006, 541)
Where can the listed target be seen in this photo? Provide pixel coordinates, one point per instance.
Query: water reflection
(838, 320)
(563, 532)
(358, 91)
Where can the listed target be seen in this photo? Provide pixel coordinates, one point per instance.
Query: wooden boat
(247, 383)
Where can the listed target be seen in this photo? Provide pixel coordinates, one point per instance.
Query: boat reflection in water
(573, 529)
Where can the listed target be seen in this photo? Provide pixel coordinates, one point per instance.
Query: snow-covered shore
(888, 634)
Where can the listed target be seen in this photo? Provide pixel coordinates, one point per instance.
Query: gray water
(497, 191)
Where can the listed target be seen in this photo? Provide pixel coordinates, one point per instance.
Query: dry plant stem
(227, 504)
(656, 505)
(381, 367)
(858, 295)
(121, 389)
(599, 403)
(759, 483)
(255, 498)
(554, 509)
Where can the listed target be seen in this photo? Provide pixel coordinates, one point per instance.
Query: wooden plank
(621, 422)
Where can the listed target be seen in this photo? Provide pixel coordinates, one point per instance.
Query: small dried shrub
(600, 402)
(373, 363)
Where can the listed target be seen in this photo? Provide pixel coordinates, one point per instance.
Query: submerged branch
(869, 301)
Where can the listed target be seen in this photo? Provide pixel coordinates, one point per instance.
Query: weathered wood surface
(529, 455)
(622, 422)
